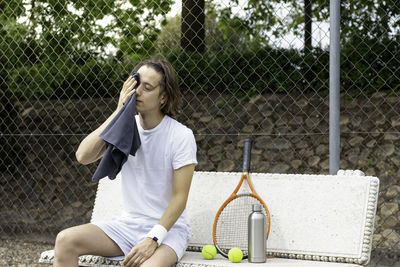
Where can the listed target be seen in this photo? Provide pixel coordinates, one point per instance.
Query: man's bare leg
(82, 240)
(164, 256)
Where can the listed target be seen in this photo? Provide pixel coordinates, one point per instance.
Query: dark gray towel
(122, 138)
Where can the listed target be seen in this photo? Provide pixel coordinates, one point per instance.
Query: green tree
(12, 42)
(192, 28)
(253, 22)
(307, 25)
(74, 24)
(370, 18)
(219, 36)
(225, 30)
(64, 45)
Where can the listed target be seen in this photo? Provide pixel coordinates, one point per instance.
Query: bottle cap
(256, 207)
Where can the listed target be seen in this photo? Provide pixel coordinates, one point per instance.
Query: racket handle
(247, 155)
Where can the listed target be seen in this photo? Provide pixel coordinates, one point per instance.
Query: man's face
(148, 96)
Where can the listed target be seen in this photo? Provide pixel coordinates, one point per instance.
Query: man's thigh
(89, 239)
(164, 256)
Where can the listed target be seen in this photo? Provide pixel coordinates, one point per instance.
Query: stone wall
(46, 190)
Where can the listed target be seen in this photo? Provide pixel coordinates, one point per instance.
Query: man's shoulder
(179, 127)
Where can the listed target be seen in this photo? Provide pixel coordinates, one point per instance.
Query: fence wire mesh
(246, 68)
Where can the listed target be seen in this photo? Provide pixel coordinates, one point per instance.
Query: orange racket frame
(234, 195)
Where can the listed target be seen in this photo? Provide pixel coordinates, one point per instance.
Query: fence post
(334, 87)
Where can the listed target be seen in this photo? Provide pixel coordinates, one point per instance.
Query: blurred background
(247, 68)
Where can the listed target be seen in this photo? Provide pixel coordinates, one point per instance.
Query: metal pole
(334, 87)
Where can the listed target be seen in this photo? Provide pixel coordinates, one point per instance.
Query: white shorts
(127, 232)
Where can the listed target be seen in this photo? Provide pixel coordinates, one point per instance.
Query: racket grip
(247, 155)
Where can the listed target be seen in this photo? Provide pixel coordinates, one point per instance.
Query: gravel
(22, 253)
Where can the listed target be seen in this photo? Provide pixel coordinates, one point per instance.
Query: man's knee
(159, 264)
(163, 257)
(152, 264)
(66, 241)
(156, 261)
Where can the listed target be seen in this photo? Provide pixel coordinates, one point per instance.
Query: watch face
(155, 239)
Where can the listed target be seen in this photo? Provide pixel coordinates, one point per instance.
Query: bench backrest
(313, 217)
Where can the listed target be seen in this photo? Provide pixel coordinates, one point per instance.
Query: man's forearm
(173, 211)
(180, 192)
(93, 147)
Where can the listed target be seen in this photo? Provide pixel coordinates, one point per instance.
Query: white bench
(316, 220)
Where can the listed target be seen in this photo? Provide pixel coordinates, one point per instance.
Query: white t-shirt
(147, 176)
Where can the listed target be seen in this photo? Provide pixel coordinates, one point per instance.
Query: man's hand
(127, 91)
(140, 253)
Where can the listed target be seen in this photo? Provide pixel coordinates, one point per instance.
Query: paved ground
(20, 253)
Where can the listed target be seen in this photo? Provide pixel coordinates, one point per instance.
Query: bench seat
(191, 259)
(316, 220)
(196, 259)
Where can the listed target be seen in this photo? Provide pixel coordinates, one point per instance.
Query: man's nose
(139, 89)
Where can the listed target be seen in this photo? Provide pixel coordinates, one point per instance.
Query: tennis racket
(230, 223)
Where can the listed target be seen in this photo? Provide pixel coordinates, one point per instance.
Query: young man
(153, 230)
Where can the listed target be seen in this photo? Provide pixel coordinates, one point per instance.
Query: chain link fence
(246, 68)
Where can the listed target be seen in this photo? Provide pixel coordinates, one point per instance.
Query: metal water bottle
(257, 235)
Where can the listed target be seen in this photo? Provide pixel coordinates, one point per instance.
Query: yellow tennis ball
(209, 252)
(235, 255)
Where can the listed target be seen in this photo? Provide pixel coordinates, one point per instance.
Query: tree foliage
(371, 18)
(75, 24)
(218, 35)
(58, 48)
(49, 45)
(192, 26)
(259, 19)
(252, 23)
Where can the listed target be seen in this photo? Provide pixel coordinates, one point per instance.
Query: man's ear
(163, 98)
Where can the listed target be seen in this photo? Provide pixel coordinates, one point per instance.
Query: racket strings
(232, 225)
(245, 188)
